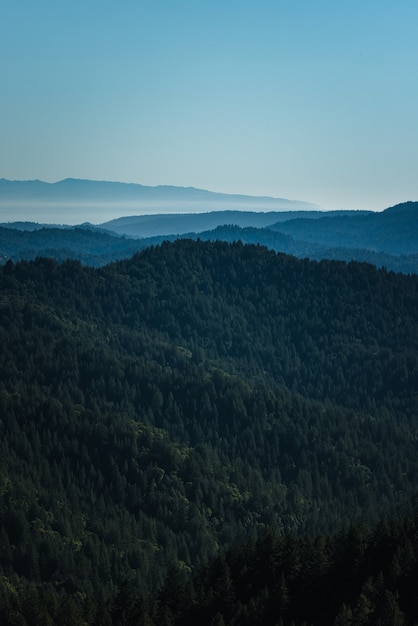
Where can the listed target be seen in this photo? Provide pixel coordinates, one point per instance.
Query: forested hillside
(92, 247)
(157, 411)
(95, 248)
(392, 231)
(306, 248)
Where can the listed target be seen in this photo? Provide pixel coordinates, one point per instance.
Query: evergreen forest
(208, 433)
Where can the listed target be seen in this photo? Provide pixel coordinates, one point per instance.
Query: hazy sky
(303, 99)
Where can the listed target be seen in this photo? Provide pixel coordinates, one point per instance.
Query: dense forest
(96, 248)
(208, 432)
(90, 246)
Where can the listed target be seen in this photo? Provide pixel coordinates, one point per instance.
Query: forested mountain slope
(95, 247)
(279, 241)
(393, 231)
(159, 409)
(85, 244)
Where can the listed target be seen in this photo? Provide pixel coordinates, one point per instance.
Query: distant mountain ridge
(162, 197)
(394, 231)
(182, 223)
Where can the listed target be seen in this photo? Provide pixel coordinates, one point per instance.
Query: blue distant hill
(101, 200)
(394, 231)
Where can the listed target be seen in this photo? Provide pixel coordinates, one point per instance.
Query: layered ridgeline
(158, 410)
(386, 239)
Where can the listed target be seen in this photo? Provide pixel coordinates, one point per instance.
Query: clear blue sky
(303, 99)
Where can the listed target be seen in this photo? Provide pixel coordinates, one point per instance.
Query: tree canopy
(170, 421)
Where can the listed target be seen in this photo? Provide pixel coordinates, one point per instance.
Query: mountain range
(118, 199)
(143, 216)
(185, 223)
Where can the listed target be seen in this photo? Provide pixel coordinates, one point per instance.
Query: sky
(300, 99)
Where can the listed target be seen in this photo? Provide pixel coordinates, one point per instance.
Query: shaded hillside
(393, 231)
(159, 409)
(95, 247)
(280, 242)
(359, 577)
(87, 245)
